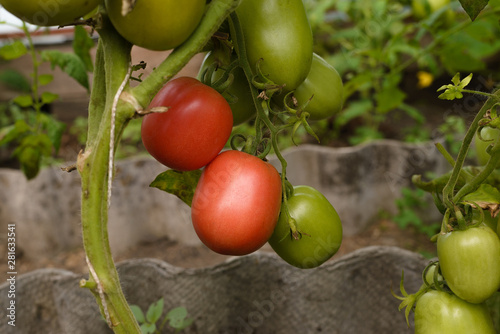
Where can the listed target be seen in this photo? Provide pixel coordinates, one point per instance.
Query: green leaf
(180, 184)
(70, 63)
(82, 45)
(55, 130)
(13, 51)
(147, 328)
(48, 98)
(16, 132)
(138, 314)
(15, 80)
(154, 311)
(473, 7)
(465, 81)
(486, 197)
(24, 101)
(45, 79)
(353, 110)
(178, 318)
(389, 98)
(30, 151)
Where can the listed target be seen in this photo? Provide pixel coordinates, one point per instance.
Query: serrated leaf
(48, 97)
(473, 7)
(13, 51)
(70, 63)
(155, 311)
(82, 44)
(180, 184)
(45, 79)
(15, 80)
(24, 101)
(138, 314)
(486, 197)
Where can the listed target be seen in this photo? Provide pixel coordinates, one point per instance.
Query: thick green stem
(448, 192)
(111, 73)
(112, 62)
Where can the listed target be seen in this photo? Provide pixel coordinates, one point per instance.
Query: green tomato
(278, 32)
(324, 85)
(438, 312)
(49, 12)
(423, 8)
(238, 95)
(470, 262)
(488, 137)
(319, 224)
(156, 24)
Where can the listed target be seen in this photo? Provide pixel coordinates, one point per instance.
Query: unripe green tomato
(324, 85)
(278, 32)
(319, 224)
(238, 94)
(438, 312)
(470, 262)
(423, 8)
(156, 24)
(488, 137)
(49, 12)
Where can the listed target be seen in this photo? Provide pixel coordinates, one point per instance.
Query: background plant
(33, 134)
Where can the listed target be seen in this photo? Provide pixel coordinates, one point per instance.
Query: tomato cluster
(241, 201)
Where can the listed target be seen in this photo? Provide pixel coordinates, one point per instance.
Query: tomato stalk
(263, 112)
(108, 117)
(448, 198)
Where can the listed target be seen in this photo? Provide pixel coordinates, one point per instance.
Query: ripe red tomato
(319, 224)
(236, 203)
(193, 130)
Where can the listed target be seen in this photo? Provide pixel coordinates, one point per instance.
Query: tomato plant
(324, 85)
(193, 130)
(279, 33)
(443, 313)
(238, 94)
(319, 227)
(49, 13)
(236, 203)
(470, 262)
(156, 24)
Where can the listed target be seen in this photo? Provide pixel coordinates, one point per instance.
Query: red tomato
(236, 203)
(193, 130)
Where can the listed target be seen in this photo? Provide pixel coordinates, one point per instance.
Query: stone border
(359, 181)
(258, 293)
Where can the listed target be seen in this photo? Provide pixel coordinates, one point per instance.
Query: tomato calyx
(263, 83)
(408, 301)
